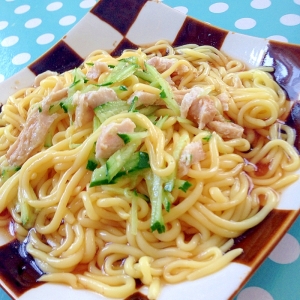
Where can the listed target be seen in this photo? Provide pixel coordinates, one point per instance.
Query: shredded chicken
(162, 64)
(58, 93)
(179, 94)
(31, 137)
(144, 98)
(35, 128)
(224, 99)
(226, 130)
(85, 103)
(96, 70)
(42, 76)
(108, 141)
(191, 154)
(198, 108)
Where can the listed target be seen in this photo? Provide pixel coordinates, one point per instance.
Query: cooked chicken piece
(198, 108)
(42, 76)
(85, 103)
(203, 111)
(144, 98)
(226, 130)
(31, 137)
(192, 153)
(224, 99)
(179, 94)
(96, 70)
(108, 141)
(58, 93)
(162, 64)
(190, 97)
(35, 128)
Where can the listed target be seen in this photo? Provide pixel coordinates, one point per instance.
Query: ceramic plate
(118, 24)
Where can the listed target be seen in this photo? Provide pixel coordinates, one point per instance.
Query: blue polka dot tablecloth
(28, 28)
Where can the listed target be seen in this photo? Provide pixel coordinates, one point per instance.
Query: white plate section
(93, 34)
(20, 80)
(155, 22)
(201, 289)
(250, 50)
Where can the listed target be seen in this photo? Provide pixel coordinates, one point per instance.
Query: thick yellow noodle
(86, 237)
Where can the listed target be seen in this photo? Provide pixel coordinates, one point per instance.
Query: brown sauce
(196, 32)
(261, 169)
(120, 15)
(285, 58)
(18, 269)
(293, 121)
(59, 58)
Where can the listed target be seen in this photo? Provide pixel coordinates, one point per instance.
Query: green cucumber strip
(99, 176)
(67, 105)
(27, 215)
(55, 107)
(109, 109)
(129, 137)
(143, 75)
(148, 110)
(7, 172)
(132, 107)
(138, 161)
(121, 71)
(160, 122)
(166, 90)
(78, 82)
(96, 123)
(92, 162)
(155, 189)
(49, 136)
(116, 162)
(182, 142)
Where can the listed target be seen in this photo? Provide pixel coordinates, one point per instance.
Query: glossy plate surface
(115, 25)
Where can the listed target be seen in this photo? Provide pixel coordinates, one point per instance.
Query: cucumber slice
(130, 137)
(92, 162)
(116, 162)
(99, 176)
(138, 162)
(121, 71)
(109, 109)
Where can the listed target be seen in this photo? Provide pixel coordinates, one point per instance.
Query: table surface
(42, 23)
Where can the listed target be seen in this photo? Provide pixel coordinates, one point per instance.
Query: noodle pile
(100, 237)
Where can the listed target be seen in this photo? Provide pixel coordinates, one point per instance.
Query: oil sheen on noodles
(153, 187)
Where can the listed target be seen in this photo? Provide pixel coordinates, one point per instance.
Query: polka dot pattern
(218, 7)
(32, 23)
(249, 16)
(260, 4)
(30, 29)
(245, 23)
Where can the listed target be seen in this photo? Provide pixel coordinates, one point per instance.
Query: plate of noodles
(147, 155)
